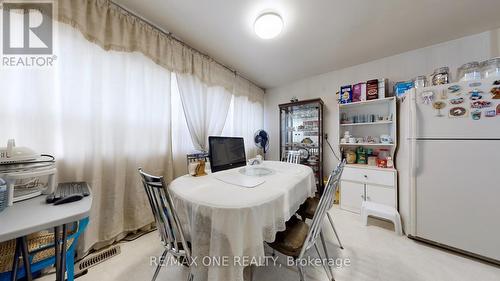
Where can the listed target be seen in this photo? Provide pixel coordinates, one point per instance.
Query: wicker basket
(40, 246)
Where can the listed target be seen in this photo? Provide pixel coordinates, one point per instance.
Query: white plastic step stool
(381, 211)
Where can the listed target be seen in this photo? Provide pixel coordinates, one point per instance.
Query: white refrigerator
(449, 164)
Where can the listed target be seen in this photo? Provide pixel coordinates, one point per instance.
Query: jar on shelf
(383, 154)
(490, 68)
(350, 156)
(390, 162)
(441, 76)
(469, 72)
(361, 155)
(420, 81)
(372, 161)
(4, 195)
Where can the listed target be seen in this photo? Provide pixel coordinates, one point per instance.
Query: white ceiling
(319, 35)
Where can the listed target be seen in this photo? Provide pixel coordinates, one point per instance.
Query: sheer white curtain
(102, 114)
(205, 108)
(238, 116)
(181, 138)
(244, 119)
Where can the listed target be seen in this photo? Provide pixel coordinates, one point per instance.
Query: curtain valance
(113, 28)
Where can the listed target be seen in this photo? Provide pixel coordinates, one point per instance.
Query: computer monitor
(226, 153)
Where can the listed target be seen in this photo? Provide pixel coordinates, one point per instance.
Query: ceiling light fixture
(268, 25)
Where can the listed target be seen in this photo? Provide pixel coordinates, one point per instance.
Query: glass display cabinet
(301, 132)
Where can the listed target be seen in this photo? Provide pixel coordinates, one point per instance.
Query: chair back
(166, 219)
(292, 157)
(335, 187)
(324, 205)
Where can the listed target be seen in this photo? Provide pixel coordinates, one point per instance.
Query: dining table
(227, 223)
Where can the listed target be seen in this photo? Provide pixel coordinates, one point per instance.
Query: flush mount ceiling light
(268, 25)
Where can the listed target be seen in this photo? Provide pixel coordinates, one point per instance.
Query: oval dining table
(227, 224)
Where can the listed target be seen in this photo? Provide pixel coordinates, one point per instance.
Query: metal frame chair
(305, 215)
(167, 221)
(330, 219)
(317, 221)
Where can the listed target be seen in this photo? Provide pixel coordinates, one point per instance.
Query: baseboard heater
(95, 259)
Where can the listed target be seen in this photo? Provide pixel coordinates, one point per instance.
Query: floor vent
(96, 258)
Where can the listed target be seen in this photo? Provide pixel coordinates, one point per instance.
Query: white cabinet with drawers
(361, 182)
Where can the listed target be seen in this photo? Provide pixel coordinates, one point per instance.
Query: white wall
(400, 67)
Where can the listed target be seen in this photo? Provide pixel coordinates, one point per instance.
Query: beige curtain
(109, 161)
(102, 115)
(113, 28)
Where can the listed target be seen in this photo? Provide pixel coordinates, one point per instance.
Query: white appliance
(12, 154)
(28, 174)
(449, 190)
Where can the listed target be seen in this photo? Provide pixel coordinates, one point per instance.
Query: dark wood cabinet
(301, 132)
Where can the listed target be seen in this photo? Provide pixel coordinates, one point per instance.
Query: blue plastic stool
(70, 257)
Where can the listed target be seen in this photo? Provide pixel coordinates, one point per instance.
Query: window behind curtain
(243, 120)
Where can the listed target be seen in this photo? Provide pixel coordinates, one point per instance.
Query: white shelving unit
(362, 182)
(380, 107)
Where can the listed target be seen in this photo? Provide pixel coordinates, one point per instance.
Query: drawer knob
(365, 176)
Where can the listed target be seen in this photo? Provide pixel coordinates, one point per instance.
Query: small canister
(372, 160)
(469, 72)
(361, 155)
(491, 68)
(350, 157)
(441, 76)
(390, 162)
(382, 158)
(420, 81)
(4, 195)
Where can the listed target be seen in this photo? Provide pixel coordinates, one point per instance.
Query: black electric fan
(261, 139)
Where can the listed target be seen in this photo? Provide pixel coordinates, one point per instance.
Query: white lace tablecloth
(225, 220)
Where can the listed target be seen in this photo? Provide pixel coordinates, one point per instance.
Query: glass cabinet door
(301, 132)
